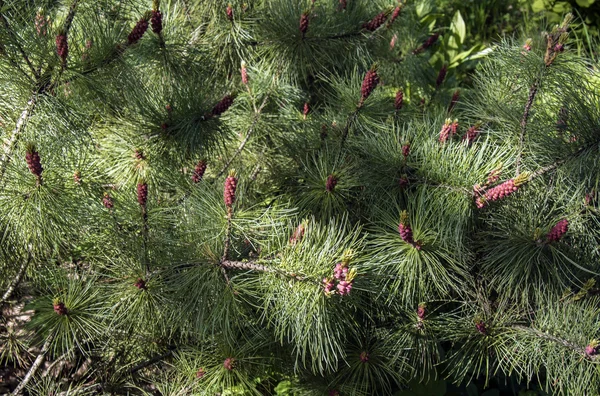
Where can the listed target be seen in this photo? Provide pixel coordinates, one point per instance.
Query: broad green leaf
(459, 28)
(585, 3)
(538, 5)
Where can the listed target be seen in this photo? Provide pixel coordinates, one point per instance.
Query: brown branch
(254, 266)
(35, 366)
(11, 142)
(17, 278)
(150, 362)
(532, 93)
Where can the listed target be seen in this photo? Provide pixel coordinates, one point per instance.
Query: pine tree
(352, 251)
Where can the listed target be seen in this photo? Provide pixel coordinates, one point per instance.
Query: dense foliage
(294, 197)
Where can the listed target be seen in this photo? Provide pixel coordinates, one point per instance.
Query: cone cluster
(364, 357)
(298, 234)
(229, 12)
(142, 194)
(229, 363)
(395, 14)
(304, 24)
(558, 231)
(229, 190)
(376, 22)
(244, 74)
(405, 231)
(496, 193)
(481, 327)
(200, 373)
(592, 349)
(59, 308)
(449, 129)
(199, 171)
(138, 31)
(472, 133)
(441, 76)
(32, 157)
(399, 100)
(342, 279)
(156, 22)
(406, 150)
(107, 201)
(62, 47)
(428, 43)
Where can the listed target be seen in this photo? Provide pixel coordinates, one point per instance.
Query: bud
(298, 234)
(393, 41)
(446, 131)
(200, 373)
(454, 100)
(59, 307)
(229, 190)
(472, 133)
(229, 363)
(244, 73)
(139, 155)
(138, 31)
(140, 284)
(428, 43)
(32, 157)
(376, 22)
(368, 85)
(331, 183)
(399, 100)
(107, 201)
(502, 190)
(405, 231)
(527, 45)
(142, 193)
(441, 76)
(304, 24)
(343, 4)
(406, 149)
(364, 357)
(480, 326)
(77, 177)
(222, 106)
(199, 171)
(41, 22)
(421, 311)
(592, 348)
(558, 231)
(62, 47)
(229, 12)
(395, 14)
(306, 109)
(156, 21)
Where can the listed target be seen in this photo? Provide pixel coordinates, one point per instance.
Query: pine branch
(36, 365)
(150, 362)
(532, 94)
(10, 144)
(17, 278)
(550, 337)
(255, 266)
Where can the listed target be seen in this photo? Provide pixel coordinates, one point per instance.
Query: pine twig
(255, 266)
(150, 362)
(35, 366)
(550, 337)
(17, 278)
(11, 142)
(532, 94)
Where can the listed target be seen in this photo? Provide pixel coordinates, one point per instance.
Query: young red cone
(399, 100)
(558, 231)
(62, 47)
(222, 106)
(138, 31)
(156, 22)
(229, 190)
(368, 85)
(142, 193)
(331, 183)
(199, 171)
(32, 157)
(304, 24)
(376, 22)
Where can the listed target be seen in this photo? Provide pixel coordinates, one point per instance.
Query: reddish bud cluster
(229, 363)
(156, 22)
(139, 155)
(454, 100)
(41, 23)
(138, 31)
(107, 201)
(472, 133)
(449, 129)
(376, 22)
(441, 76)
(558, 231)
(527, 45)
(368, 85)
(142, 194)
(334, 392)
(421, 312)
(406, 149)
(32, 157)
(496, 193)
(298, 234)
(343, 4)
(428, 43)
(222, 106)
(199, 171)
(140, 284)
(77, 177)
(306, 109)
(399, 100)
(331, 183)
(590, 197)
(592, 349)
(395, 14)
(403, 182)
(229, 12)
(406, 233)
(59, 308)
(200, 373)
(244, 73)
(62, 47)
(343, 277)
(364, 357)
(481, 327)
(393, 41)
(229, 190)
(304, 24)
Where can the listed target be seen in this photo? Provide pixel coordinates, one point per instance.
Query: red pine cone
(156, 22)
(140, 284)
(376, 22)
(331, 183)
(306, 109)
(364, 357)
(421, 311)
(441, 76)
(32, 157)
(558, 231)
(304, 24)
(480, 326)
(454, 100)
(222, 106)
(107, 201)
(406, 233)
(229, 363)
(472, 133)
(62, 47)
(403, 182)
(368, 85)
(77, 177)
(138, 31)
(200, 373)
(60, 309)
(446, 131)
(406, 150)
(591, 350)
(499, 192)
(229, 12)
(229, 191)
(428, 43)
(199, 171)
(244, 74)
(395, 14)
(142, 193)
(399, 100)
